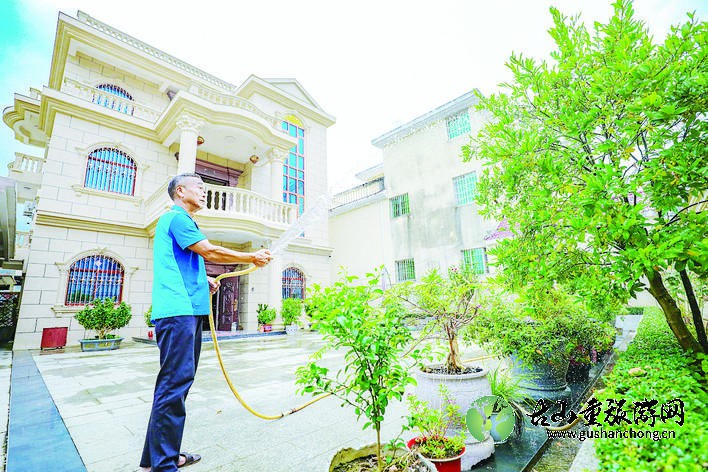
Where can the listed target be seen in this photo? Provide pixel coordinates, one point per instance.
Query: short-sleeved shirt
(179, 286)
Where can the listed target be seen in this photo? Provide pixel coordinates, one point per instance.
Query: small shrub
(104, 316)
(148, 315)
(291, 310)
(266, 315)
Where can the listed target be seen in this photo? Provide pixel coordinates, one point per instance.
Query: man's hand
(213, 284)
(262, 257)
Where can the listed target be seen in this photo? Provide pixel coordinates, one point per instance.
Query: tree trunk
(454, 362)
(671, 312)
(695, 310)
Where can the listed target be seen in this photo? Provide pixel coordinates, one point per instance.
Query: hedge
(655, 368)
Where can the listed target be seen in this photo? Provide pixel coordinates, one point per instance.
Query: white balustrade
(231, 201)
(26, 163)
(218, 98)
(110, 100)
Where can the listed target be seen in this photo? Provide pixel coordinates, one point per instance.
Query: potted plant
(592, 337)
(509, 389)
(432, 425)
(291, 312)
(374, 338)
(103, 316)
(449, 305)
(148, 322)
(538, 332)
(266, 315)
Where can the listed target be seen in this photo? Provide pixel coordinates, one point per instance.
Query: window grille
(458, 125)
(465, 188)
(106, 99)
(293, 283)
(405, 270)
(94, 277)
(110, 170)
(294, 168)
(476, 259)
(399, 205)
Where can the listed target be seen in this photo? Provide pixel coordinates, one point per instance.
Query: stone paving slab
(104, 399)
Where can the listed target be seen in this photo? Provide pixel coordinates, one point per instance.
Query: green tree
(598, 162)
(374, 338)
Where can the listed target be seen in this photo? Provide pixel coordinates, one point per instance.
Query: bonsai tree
(291, 310)
(374, 337)
(432, 425)
(543, 325)
(266, 315)
(104, 316)
(596, 160)
(448, 303)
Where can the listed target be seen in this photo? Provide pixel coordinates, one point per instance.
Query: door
(225, 305)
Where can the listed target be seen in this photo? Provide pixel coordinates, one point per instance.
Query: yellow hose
(223, 369)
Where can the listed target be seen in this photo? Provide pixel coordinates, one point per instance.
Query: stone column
(189, 126)
(275, 284)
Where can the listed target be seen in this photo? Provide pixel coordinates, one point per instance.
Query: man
(180, 299)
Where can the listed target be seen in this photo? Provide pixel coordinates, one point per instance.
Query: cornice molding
(254, 85)
(59, 220)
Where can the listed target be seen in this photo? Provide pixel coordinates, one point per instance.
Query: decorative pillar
(277, 158)
(189, 126)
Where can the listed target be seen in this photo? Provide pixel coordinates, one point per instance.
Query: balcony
(231, 214)
(26, 169)
(109, 100)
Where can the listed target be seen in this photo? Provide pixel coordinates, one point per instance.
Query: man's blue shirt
(179, 285)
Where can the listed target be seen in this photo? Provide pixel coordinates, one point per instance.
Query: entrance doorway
(224, 304)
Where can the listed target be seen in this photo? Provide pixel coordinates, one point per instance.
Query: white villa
(117, 120)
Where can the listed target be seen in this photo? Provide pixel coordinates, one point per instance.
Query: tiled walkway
(37, 437)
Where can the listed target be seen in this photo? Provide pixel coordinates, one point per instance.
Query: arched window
(293, 283)
(110, 170)
(94, 277)
(107, 98)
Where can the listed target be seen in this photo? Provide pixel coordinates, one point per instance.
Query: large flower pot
(543, 379)
(578, 372)
(452, 464)
(100, 344)
(465, 389)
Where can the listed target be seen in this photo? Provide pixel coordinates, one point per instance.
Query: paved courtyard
(104, 400)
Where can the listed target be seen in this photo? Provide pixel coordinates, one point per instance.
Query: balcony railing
(358, 193)
(26, 169)
(110, 100)
(231, 201)
(218, 98)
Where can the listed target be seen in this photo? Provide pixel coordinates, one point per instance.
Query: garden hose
(223, 369)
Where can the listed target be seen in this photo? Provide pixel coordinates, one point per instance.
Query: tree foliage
(597, 160)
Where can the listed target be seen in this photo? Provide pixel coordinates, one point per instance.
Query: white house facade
(116, 122)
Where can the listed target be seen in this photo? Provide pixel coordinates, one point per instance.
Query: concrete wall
(423, 164)
(361, 238)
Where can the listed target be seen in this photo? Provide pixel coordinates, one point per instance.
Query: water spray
(312, 215)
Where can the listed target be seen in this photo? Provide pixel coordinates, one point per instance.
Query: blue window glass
(110, 170)
(109, 96)
(294, 168)
(94, 277)
(293, 283)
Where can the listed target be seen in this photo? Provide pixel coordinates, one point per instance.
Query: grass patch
(654, 367)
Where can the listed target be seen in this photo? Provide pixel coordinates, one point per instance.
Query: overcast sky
(372, 64)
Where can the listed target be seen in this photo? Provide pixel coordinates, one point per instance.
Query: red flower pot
(453, 464)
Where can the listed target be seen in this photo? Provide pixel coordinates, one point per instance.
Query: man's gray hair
(176, 181)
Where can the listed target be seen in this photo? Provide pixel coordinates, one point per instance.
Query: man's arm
(221, 255)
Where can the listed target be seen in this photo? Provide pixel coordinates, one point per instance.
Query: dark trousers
(180, 341)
